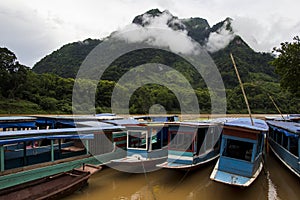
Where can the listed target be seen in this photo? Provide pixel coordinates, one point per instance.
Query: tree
(287, 65)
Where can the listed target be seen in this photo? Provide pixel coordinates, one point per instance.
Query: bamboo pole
(242, 87)
(276, 106)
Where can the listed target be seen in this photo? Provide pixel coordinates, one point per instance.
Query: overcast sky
(35, 28)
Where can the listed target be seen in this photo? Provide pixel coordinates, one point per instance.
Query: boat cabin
(240, 144)
(146, 140)
(63, 143)
(192, 143)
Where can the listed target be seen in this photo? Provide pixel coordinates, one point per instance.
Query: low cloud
(219, 39)
(264, 36)
(176, 40)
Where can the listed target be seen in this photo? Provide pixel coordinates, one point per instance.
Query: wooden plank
(241, 132)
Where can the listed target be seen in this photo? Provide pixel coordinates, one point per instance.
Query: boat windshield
(182, 141)
(238, 149)
(137, 140)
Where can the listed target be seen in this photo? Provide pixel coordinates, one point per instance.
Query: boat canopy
(17, 122)
(17, 140)
(123, 122)
(259, 124)
(18, 125)
(291, 127)
(52, 132)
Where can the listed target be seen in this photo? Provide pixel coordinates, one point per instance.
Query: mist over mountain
(219, 40)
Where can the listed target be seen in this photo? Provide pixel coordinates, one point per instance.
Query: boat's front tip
(233, 179)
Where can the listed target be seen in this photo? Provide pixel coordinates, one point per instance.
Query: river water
(275, 182)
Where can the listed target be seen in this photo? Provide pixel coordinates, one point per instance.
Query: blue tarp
(121, 122)
(17, 125)
(291, 127)
(259, 124)
(17, 140)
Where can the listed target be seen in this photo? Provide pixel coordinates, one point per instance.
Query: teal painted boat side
(29, 173)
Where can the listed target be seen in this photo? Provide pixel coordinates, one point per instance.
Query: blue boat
(192, 144)
(284, 142)
(241, 153)
(63, 143)
(146, 147)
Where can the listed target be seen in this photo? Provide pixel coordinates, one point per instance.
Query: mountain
(48, 87)
(66, 61)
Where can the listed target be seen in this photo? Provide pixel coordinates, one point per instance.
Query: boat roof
(289, 117)
(76, 136)
(16, 118)
(222, 120)
(92, 124)
(17, 122)
(192, 123)
(259, 124)
(62, 131)
(290, 126)
(123, 122)
(81, 117)
(158, 118)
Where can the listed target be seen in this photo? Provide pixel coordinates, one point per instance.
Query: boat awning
(54, 132)
(17, 125)
(123, 122)
(259, 124)
(17, 140)
(289, 127)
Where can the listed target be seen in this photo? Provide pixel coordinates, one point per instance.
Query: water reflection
(275, 182)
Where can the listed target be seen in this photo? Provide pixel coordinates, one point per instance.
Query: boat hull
(137, 165)
(180, 166)
(234, 179)
(51, 187)
(290, 161)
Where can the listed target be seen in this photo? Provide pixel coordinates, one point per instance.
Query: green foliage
(288, 65)
(10, 106)
(66, 61)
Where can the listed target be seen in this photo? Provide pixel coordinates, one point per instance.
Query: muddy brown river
(275, 182)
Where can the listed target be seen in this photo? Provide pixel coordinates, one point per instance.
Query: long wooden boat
(241, 154)
(50, 187)
(284, 142)
(192, 144)
(146, 147)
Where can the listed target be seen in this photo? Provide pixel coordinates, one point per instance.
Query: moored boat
(146, 147)
(50, 187)
(241, 153)
(284, 142)
(192, 144)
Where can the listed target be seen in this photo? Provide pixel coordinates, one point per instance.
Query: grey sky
(35, 28)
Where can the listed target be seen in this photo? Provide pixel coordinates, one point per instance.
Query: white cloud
(264, 36)
(158, 33)
(34, 28)
(219, 39)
